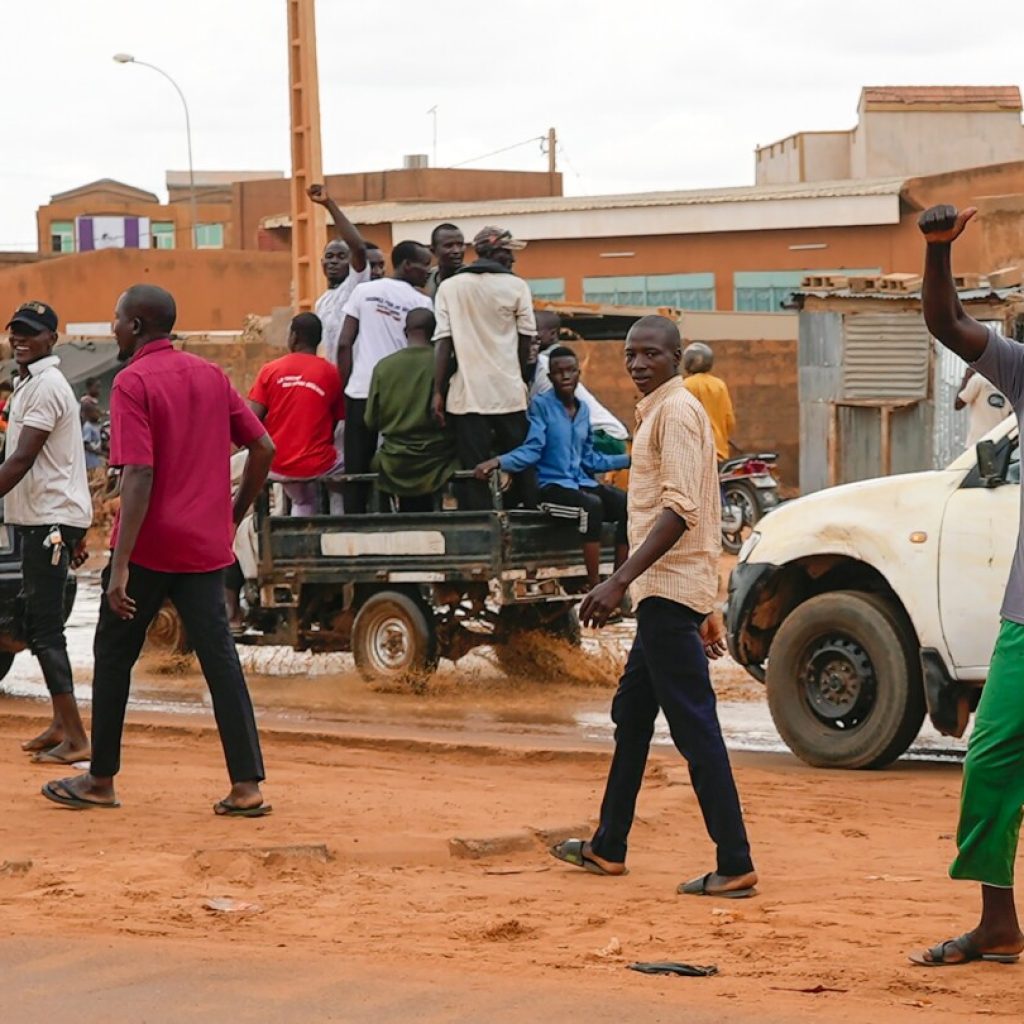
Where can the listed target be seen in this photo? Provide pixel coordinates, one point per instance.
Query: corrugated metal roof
(967, 294)
(394, 213)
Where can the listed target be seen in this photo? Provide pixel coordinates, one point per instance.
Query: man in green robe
(416, 457)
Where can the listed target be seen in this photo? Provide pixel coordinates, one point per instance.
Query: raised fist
(941, 225)
(318, 193)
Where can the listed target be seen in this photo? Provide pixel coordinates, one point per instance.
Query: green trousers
(992, 796)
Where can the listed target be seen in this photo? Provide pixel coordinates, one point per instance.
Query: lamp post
(127, 58)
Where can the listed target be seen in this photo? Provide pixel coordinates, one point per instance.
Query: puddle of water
(746, 724)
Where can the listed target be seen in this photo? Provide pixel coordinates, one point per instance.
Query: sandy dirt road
(101, 913)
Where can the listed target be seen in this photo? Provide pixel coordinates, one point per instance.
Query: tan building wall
(761, 374)
(913, 142)
(215, 289)
(904, 131)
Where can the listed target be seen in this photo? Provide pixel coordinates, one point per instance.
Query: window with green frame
(550, 289)
(209, 236)
(765, 291)
(161, 232)
(684, 291)
(62, 236)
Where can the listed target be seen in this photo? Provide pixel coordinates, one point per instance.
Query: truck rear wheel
(524, 659)
(844, 682)
(393, 637)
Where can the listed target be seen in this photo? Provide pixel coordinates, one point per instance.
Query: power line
(505, 149)
(569, 163)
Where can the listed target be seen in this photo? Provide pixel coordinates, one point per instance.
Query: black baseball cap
(37, 315)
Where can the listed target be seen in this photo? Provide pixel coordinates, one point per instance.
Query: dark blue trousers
(668, 670)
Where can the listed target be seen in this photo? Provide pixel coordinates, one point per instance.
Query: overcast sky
(645, 94)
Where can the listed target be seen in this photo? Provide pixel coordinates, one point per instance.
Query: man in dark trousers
(674, 533)
(172, 539)
(46, 490)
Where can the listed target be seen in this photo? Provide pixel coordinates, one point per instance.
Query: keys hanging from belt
(55, 540)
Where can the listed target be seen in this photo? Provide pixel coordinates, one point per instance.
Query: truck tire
(166, 633)
(844, 682)
(393, 637)
(518, 659)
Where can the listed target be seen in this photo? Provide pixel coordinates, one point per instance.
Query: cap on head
(492, 239)
(36, 315)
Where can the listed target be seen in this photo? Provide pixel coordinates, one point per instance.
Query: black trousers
(199, 599)
(667, 669)
(601, 503)
(43, 586)
(480, 437)
(360, 448)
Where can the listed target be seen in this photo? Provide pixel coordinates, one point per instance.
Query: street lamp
(127, 58)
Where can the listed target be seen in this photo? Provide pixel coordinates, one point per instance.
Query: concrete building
(231, 205)
(743, 249)
(904, 131)
(108, 214)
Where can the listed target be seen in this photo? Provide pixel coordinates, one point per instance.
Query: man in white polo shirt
(46, 495)
(374, 327)
(485, 316)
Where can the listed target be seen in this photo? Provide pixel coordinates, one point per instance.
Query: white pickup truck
(863, 606)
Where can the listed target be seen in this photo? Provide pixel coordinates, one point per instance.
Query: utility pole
(552, 161)
(308, 218)
(433, 110)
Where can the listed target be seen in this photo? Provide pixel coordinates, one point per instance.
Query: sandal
(936, 956)
(699, 887)
(571, 852)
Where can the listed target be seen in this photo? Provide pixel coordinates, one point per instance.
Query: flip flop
(674, 967)
(226, 810)
(48, 757)
(58, 792)
(966, 945)
(570, 851)
(699, 887)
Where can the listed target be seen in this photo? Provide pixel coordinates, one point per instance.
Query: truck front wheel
(393, 637)
(844, 682)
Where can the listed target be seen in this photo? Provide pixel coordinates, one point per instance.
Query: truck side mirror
(993, 462)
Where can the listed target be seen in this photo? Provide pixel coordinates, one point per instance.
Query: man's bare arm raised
(943, 313)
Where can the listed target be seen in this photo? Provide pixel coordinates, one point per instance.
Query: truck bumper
(746, 583)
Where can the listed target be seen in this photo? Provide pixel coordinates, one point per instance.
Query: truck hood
(860, 519)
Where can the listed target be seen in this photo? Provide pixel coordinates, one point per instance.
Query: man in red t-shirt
(299, 399)
(172, 539)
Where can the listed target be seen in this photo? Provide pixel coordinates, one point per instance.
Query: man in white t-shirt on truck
(46, 496)
(485, 316)
(374, 327)
(345, 265)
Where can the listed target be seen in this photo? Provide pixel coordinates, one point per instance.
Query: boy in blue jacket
(560, 445)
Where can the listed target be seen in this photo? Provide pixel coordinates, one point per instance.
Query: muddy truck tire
(844, 682)
(393, 637)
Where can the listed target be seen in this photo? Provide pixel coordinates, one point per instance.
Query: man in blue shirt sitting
(560, 444)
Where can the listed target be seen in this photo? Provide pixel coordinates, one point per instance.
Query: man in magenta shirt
(174, 418)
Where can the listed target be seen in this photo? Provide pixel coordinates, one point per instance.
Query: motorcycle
(749, 490)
